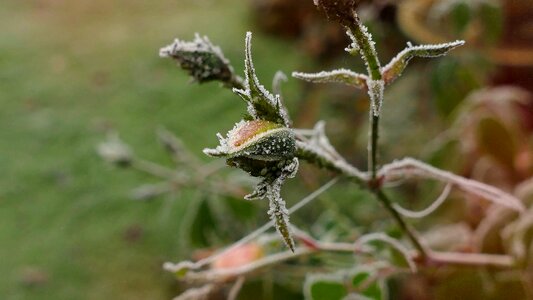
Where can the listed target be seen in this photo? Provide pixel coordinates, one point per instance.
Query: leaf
(495, 140)
(261, 103)
(341, 76)
(202, 60)
(279, 213)
(395, 67)
(324, 287)
(375, 290)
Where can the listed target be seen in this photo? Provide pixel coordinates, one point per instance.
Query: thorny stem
(368, 52)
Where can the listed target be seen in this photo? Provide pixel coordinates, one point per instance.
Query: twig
(409, 167)
(411, 234)
(425, 212)
(470, 259)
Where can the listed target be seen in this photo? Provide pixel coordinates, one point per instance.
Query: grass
(69, 72)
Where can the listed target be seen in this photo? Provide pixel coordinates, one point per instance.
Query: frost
(353, 48)
(279, 214)
(270, 188)
(260, 191)
(261, 103)
(279, 77)
(365, 45)
(340, 75)
(375, 91)
(396, 66)
(200, 58)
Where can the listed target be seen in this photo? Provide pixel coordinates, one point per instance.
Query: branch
(423, 213)
(409, 167)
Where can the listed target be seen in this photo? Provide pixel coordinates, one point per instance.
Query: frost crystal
(261, 103)
(353, 48)
(365, 45)
(340, 75)
(375, 91)
(200, 58)
(396, 66)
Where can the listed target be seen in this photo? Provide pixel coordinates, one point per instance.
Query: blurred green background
(70, 71)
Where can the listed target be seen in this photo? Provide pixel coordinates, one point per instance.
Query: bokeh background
(73, 71)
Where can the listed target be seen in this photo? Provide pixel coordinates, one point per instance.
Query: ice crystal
(353, 48)
(261, 103)
(364, 43)
(396, 66)
(340, 75)
(200, 58)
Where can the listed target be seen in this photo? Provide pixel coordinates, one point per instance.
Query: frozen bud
(115, 151)
(200, 58)
(258, 147)
(341, 11)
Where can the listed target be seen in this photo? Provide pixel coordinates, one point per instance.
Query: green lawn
(70, 71)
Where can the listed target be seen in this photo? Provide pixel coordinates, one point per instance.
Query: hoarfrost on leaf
(340, 75)
(201, 59)
(261, 103)
(396, 66)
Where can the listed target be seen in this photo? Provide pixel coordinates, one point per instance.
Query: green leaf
(375, 290)
(359, 278)
(325, 288)
(495, 140)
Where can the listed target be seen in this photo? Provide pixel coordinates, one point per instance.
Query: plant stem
(373, 145)
(366, 48)
(380, 195)
(369, 55)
